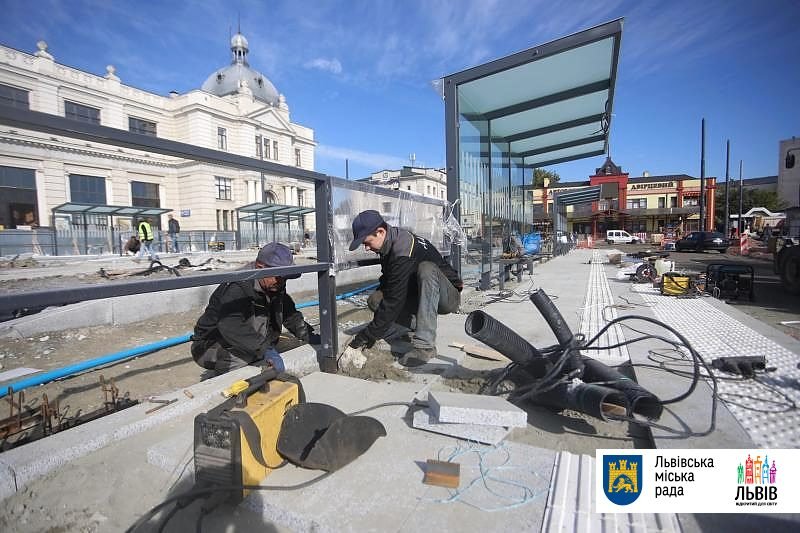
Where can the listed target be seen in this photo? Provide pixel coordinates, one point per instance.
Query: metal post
(326, 283)
(491, 195)
(451, 154)
(85, 235)
(703, 175)
(727, 177)
(237, 231)
(55, 231)
(739, 222)
(258, 242)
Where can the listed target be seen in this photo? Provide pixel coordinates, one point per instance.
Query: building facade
(431, 182)
(644, 204)
(237, 110)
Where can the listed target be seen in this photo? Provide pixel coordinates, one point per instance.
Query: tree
(539, 174)
(750, 198)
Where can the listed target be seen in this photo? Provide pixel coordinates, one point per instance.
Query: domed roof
(238, 76)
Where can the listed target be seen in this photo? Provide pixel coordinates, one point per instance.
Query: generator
(236, 442)
(730, 281)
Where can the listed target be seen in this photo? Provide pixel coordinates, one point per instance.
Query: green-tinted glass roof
(551, 103)
(115, 210)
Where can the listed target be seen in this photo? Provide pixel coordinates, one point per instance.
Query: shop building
(643, 204)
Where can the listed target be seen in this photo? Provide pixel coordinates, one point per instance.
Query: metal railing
(56, 125)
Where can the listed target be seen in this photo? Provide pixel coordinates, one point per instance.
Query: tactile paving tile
(713, 334)
(571, 502)
(596, 314)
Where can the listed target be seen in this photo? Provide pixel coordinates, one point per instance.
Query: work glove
(352, 357)
(274, 359)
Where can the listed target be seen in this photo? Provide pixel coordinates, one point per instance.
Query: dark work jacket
(228, 320)
(174, 226)
(401, 254)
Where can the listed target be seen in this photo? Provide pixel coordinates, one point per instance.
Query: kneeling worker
(243, 321)
(415, 280)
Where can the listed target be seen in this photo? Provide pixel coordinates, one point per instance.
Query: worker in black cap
(415, 281)
(243, 321)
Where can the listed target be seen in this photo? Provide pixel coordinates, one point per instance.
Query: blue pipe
(339, 297)
(91, 363)
(66, 371)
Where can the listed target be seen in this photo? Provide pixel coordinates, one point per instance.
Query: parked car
(697, 241)
(615, 236)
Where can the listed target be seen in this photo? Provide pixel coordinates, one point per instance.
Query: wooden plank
(482, 352)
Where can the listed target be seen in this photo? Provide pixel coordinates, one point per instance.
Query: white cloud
(367, 159)
(329, 65)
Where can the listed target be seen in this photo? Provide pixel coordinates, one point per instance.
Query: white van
(614, 236)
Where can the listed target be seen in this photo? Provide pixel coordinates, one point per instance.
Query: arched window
(270, 198)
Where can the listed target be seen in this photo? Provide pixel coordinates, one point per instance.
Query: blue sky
(359, 72)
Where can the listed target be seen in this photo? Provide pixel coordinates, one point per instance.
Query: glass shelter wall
(492, 203)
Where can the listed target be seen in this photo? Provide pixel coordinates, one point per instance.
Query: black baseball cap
(365, 223)
(276, 254)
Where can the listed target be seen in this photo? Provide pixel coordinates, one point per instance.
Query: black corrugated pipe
(560, 328)
(552, 316)
(594, 400)
(641, 401)
(489, 331)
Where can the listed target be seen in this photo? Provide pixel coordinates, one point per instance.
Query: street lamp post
(727, 197)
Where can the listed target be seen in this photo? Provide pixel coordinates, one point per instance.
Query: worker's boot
(417, 357)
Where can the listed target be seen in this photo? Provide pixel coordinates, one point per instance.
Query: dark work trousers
(437, 296)
(220, 359)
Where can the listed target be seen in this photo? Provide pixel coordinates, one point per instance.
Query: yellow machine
(674, 284)
(236, 443)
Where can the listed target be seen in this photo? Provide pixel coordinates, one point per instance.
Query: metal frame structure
(525, 134)
(56, 125)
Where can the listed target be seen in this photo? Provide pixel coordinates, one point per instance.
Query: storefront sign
(645, 186)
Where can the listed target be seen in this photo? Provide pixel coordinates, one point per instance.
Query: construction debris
(442, 474)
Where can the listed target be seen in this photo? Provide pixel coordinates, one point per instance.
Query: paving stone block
(459, 408)
(424, 419)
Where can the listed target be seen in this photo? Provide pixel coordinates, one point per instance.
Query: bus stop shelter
(536, 108)
(261, 214)
(88, 213)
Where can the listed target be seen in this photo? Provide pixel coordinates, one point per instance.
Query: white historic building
(237, 110)
(431, 182)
